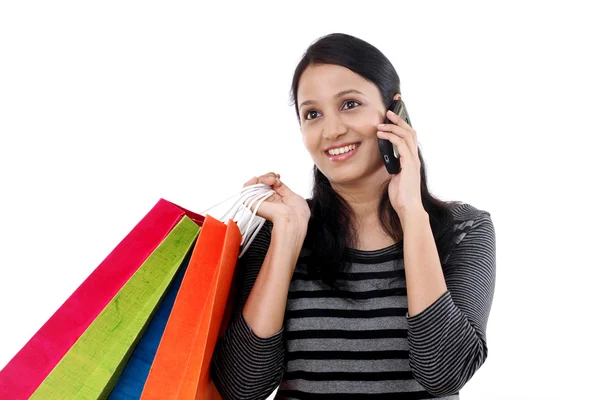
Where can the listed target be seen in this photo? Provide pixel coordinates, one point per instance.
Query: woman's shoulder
(465, 212)
(468, 218)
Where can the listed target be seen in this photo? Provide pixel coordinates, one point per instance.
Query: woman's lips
(342, 157)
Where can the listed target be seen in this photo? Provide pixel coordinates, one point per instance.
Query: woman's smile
(342, 153)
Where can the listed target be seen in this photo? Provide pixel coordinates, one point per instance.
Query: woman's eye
(353, 102)
(311, 114)
(350, 104)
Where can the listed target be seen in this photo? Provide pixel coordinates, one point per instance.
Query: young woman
(373, 287)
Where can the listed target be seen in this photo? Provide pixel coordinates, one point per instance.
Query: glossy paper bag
(32, 364)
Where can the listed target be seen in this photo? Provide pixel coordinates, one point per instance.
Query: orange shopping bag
(191, 333)
(182, 363)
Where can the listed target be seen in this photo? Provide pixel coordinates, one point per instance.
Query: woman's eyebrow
(345, 92)
(338, 95)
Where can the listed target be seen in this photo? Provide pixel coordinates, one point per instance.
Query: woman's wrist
(291, 223)
(290, 230)
(286, 244)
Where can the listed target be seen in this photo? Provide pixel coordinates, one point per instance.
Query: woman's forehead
(324, 81)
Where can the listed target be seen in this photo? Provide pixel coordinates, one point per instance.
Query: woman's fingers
(402, 129)
(282, 189)
(268, 179)
(401, 144)
(252, 181)
(400, 133)
(272, 179)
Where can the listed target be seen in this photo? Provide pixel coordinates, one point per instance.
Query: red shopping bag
(91, 368)
(40, 355)
(181, 367)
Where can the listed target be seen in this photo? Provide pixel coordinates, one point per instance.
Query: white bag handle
(240, 212)
(255, 222)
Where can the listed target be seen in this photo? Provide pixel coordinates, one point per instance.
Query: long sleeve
(447, 341)
(245, 366)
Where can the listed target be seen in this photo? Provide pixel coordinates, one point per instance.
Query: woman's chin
(346, 176)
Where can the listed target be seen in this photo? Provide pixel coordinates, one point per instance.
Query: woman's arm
(447, 335)
(248, 359)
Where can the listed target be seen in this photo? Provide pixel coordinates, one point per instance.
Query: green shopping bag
(90, 369)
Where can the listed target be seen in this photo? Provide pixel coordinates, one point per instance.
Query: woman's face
(339, 112)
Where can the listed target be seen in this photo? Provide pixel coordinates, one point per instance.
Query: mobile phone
(389, 151)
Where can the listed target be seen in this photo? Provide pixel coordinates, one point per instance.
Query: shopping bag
(216, 314)
(132, 380)
(31, 365)
(184, 352)
(90, 368)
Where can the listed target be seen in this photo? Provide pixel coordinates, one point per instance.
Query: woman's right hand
(284, 206)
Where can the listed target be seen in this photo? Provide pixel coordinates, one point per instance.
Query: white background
(107, 107)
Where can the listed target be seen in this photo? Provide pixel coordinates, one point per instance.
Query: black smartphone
(389, 151)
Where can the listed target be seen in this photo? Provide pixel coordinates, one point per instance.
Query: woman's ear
(397, 96)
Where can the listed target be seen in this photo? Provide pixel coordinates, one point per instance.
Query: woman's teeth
(342, 150)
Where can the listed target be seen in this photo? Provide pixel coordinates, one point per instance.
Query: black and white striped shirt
(360, 342)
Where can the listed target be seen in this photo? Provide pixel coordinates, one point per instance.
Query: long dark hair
(331, 229)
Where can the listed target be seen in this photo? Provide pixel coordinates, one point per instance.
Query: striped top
(346, 344)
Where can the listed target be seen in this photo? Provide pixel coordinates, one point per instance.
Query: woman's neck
(364, 196)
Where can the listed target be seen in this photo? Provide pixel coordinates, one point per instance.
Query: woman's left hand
(405, 187)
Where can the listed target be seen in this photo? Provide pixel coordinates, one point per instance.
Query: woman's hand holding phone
(405, 187)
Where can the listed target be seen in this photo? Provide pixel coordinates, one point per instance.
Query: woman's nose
(334, 127)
